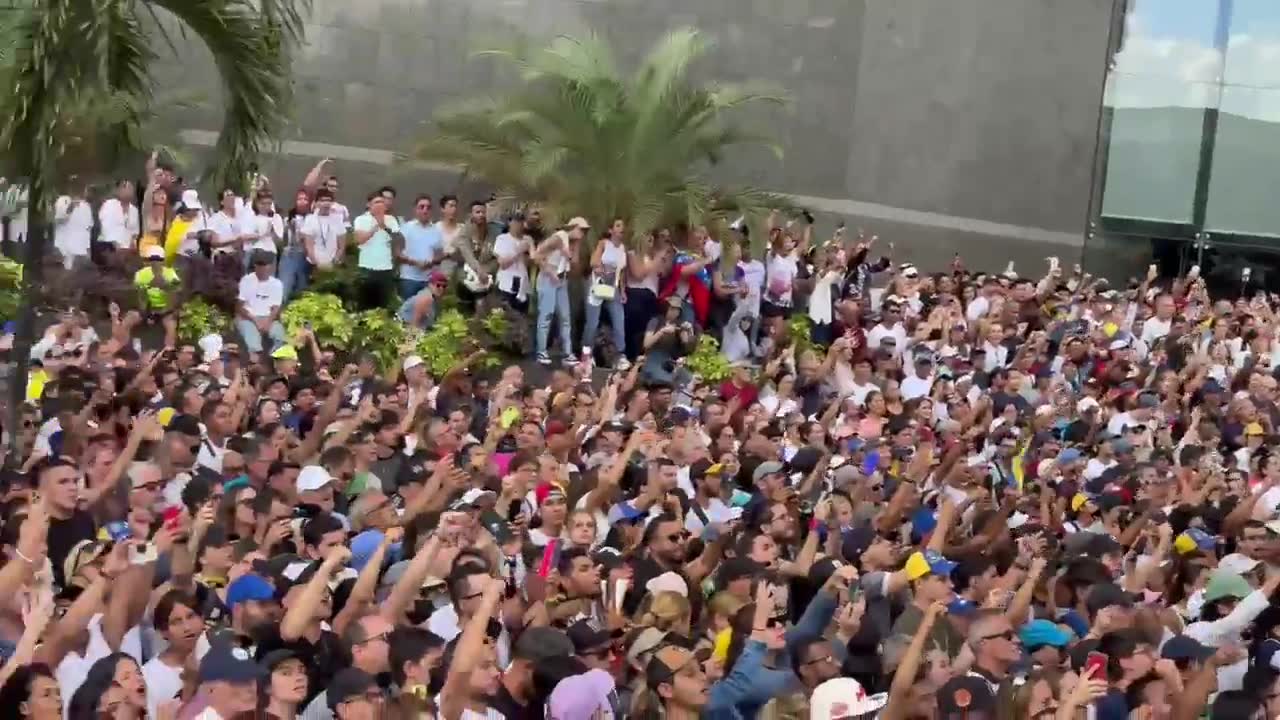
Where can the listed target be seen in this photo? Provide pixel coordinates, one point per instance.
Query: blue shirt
(422, 243)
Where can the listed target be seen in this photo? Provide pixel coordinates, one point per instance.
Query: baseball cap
(275, 657)
(348, 684)
(586, 635)
(1182, 647)
(769, 467)
(313, 477)
(1039, 633)
(578, 222)
(543, 643)
(184, 424)
(249, 587)
(966, 696)
(412, 361)
(843, 697)
(471, 499)
(928, 562)
(1225, 585)
(1069, 455)
(155, 252)
(548, 491)
(226, 663)
(1237, 563)
(1194, 539)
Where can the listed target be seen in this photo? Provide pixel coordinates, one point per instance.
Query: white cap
(190, 200)
(670, 582)
(1086, 403)
(843, 697)
(578, 222)
(313, 477)
(154, 252)
(412, 361)
(1237, 564)
(211, 346)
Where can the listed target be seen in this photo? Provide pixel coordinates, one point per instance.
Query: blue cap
(923, 522)
(249, 587)
(227, 663)
(1069, 455)
(1203, 540)
(363, 547)
(1039, 633)
(1182, 647)
(961, 607)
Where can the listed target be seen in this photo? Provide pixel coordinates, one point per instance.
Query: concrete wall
(959, 125)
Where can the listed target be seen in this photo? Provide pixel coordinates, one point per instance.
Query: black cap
(185, 424)
(587, 635)
(348, 684)
(275, 657)
(965, 696)
(736, 568)
(227, 663)
(1182, 647)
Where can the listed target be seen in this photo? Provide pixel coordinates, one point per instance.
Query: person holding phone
(512, 249)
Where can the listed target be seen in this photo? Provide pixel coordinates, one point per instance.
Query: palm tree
(580, 138)
(62, 60)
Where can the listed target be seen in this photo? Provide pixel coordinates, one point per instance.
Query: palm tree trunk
(32, 258)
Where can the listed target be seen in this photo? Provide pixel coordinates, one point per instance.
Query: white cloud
(1165, 71)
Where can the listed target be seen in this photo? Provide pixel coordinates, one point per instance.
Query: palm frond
(254, 75)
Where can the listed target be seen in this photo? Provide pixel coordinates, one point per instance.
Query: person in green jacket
(159, 284)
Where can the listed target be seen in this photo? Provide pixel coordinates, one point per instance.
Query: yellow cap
(165, 416)
(1184, 544)
(1077, 501)
(285, 352)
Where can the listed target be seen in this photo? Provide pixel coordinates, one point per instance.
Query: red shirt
(747, 394)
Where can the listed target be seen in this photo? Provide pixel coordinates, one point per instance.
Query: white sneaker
(569, 361)
(544, 358)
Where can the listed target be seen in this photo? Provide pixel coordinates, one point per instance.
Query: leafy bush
(329, 320)
(199, 318)
(381, 333)
(447, 342)
(708, 362)
(10, 288)
(800, 330)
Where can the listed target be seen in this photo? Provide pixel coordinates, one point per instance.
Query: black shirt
(322, 660)
(63, 535)
(511, 709)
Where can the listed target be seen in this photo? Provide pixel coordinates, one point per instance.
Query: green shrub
(447, 342)
(381, 333)
(199, 318)
(10, 288)
(707, 362)
(332, 324)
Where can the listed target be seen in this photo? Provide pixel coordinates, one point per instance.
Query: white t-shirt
(259, 228)
(753, 279)
(780, 276)
(860, 392)
(514, 278)
(260, 296)
(880, 332)
(190, 244)
(74, 668)
(120, 225)
(444, 622)
(225, 227)
(717, 512)
(1119, 422)
(1155, 328)
(164, 683)
(914, 386)
(72, 226)
(324, 231)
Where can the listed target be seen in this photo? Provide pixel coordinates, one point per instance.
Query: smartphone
(550, 558)
(118, 531)
(1097, 661)
(871, 462)
(142, 554)
(172, 518)
(513, 511)
(854, 591)
(619, 592)
(509, 417)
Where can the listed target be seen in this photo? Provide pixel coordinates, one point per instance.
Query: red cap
(547, 490)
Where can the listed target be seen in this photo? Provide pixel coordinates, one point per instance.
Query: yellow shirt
(173, 239)
(157, 298)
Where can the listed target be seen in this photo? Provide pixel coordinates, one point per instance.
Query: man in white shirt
(890, 325)
(258, 307)
(262, 229)
(512, 252)
(324, 232)
(119, 218)
(921, 382)
(225, 224)
(1157, 327)
(72, 226)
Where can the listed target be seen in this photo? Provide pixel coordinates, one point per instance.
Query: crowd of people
(963, 495)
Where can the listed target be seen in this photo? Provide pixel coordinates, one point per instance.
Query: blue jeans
(409, 288)
(553, 299)
(616, 321)
(294, 272)
(254, 338)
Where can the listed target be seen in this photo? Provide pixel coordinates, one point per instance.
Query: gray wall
(960, 125)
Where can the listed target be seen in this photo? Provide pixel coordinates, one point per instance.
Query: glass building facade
(1190, 132)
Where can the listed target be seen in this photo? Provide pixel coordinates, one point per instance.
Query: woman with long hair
(113, 688)
(286, 688)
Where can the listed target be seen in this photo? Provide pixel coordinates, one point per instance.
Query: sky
(1169, 57)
